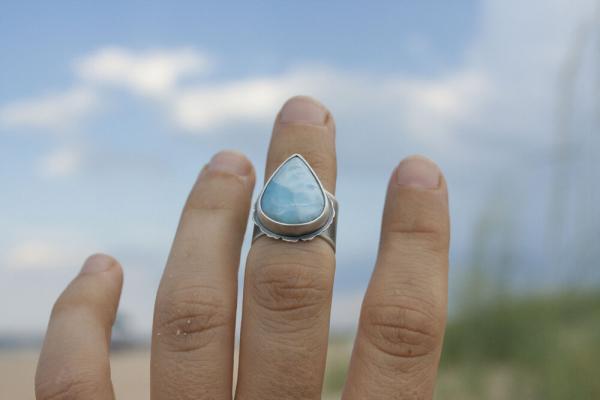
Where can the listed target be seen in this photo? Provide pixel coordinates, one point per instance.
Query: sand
(130, 371)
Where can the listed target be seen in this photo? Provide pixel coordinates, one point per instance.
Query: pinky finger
(74, 362)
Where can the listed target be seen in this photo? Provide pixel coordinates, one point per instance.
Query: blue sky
(108, 111)
(254, 37)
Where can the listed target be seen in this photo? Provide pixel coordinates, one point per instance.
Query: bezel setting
(295, 232)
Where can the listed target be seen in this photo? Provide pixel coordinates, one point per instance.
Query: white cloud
(39, 254)
(429, 107)
(154, 73)
(495, 80)
(61, 163)
(205, 107)
(432, 109)
(151, 73)
(524, 50)
(425, 105)
(55, 112)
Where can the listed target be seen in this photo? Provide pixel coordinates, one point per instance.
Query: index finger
(399, 340)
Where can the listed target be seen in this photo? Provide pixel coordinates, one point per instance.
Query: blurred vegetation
(505, 338)
(535, 347)
(545, 346)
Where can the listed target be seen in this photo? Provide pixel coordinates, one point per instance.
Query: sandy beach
(130, 371)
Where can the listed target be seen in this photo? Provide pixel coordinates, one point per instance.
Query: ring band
(293, 205)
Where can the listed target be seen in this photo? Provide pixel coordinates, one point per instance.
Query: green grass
(545, 347)
(535, 347)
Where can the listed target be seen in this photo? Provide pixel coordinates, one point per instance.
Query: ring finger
(194, 320)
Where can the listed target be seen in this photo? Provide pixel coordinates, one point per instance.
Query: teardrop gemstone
(293, 195)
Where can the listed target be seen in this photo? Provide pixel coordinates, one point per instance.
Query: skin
(287, 292)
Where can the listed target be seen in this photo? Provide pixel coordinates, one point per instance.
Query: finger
(194, 319)
(287, 288)
(74, 360)
(403, 316)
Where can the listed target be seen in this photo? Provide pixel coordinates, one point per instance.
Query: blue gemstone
(293, 196)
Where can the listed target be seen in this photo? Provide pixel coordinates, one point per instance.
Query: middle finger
(287, 288)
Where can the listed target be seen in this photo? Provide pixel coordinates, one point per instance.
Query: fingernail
(97, 263)
(303, 109)
(417, 171)
(232, 162)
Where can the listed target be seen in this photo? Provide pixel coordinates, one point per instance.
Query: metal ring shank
(328, 234)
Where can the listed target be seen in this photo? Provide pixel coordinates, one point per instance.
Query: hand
(287, 292)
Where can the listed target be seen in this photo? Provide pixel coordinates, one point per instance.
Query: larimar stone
(293, 196)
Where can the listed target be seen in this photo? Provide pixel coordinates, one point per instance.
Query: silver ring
(293, 205)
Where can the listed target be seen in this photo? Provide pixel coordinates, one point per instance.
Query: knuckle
(419, 220)
(430, 240)
(320, 159)
(66, 384)
(216, 191)
(403, 331)
(191, 318)
(89, 304)
(69, 303)
(424, 232)
(61, 305)
(293, 291)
